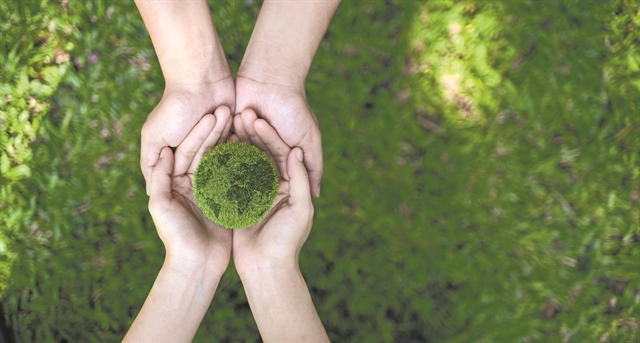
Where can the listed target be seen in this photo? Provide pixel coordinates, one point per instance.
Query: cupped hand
(179, 110)
(285, 108)
(189, 237)
(277, 239)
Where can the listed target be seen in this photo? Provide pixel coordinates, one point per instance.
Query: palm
(177, 113)
(189, 230)
(264, 237)
(287, 110)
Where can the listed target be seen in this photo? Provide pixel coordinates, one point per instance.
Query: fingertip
(298, 176)
(315, 181)
(165, 153)
(249, 112)
(224, 108)
(160, 179)
(299, 154)
(261, 125)
(248, 118)
(300, 166)
(264, 129)
(223, 112)
(209, 120)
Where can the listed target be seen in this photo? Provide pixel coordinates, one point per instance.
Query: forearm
(282, 306)
(175, 306)
(185, 41)
(285, 40)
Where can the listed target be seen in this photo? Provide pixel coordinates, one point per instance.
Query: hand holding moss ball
(235, 185)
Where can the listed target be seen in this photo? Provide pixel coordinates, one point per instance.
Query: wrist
(185, 40)
(197, 80)
(285, 40)
(197, 269)
(267, 73)
(251, 272)
(252, 89)
(208, 94)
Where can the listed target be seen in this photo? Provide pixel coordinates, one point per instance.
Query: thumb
(160, 183)
(299, 192)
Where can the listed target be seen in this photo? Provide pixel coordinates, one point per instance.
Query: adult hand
(285, 108)
(273, 71)
(180, 109)
(195, 69)
(189, 237)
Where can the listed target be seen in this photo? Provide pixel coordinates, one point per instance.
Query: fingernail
(162, 152)
(299, 154)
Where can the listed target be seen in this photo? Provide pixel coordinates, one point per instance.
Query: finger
(222, 116)
(313, 162)
(248, 118)
(160, 183)
(279, 150)
(234, 138)
(238, 126)
(149, 154)
(190, 146)
(147, 161)
(227, 130)
(299, 192)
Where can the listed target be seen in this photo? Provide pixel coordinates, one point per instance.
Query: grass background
(481, 184)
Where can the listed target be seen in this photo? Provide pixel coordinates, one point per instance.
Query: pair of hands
(199, 251)
(284, 107)
(193, 240)
(196, 113)
(270, 79)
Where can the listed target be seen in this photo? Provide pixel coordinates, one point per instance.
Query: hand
(276, 240)
(285, 108)
(181, 108)
(266, 254)
(189, 237)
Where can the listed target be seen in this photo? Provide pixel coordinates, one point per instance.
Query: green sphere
(235, 185)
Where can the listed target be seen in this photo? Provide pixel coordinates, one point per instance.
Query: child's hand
(189, 237)
(266, 254)
(276, 241)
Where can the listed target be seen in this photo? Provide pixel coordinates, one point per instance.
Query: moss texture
(235, 185)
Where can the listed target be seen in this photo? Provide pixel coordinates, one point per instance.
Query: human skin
(273, 71)
(266, 255)
(197, 251)
(197, 76)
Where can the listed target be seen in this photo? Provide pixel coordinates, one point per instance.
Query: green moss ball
(235, 185)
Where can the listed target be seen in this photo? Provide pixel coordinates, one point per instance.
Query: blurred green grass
(481, 177)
